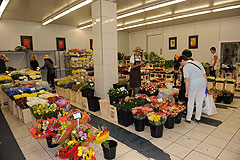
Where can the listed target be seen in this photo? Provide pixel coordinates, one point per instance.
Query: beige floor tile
(122, 149)
(188, 142)
(145, 134)
(227, 155)
(25, 140)
(134, 156)
(178, 150)
(222, 134)
(194, 155)
(204, 128)
(52, 151)
(161, 143)
(171, 136)
(197, 135)
(172, 157)
(21, 131)
(209, 149)
(219, 142)
(236, 139)
(38, 155)
(231, 124)
(99, 155)
(31, 147)
(233, 147)
(228, 129)
(181, 130)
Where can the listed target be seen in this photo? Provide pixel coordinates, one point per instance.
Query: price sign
(25, 79)
(20, 91)
(148, 81)
(41, 91)
(32, 89)
(122, 89)
(78, 83)
(159, 100)
(75, 80)
(91, 84)
(77, 115)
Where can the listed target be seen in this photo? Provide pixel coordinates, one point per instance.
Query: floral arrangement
(83, 134)
(130, 102)
(210, 79)
(171, 111)
(76, 71)
(141, 112)
(5, 79)
(45, 111)
(117, 93)
(86, 86)
(31, 101)
(180, 107)
(54, 99)
(76, 87)
(214, 92)
(101, 135)
(84, 153)
(150, 88)
(67, 149)
(157, 118)
(122, 82)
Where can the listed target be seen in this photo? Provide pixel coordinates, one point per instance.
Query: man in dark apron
(135, 73)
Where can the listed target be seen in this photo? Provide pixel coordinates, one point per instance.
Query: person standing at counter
(34, 63)
(135, 72)
(3, 60)
(50, 70)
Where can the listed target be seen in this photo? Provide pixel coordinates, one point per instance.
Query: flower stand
(170, 122)
(110, 153)
(139, 124)
(156, 131)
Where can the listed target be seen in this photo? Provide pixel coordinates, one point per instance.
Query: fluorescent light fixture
(87, 26)
(84, 22)
(131, 7)
(190, 9)
(138, 20)
(223, 2)
(68, 11)
(226, 8)
(158, 21)
(163, 5)
(48, 21)
(120, 24)
(150, 8)
(192, 14)
(3, 6)
(130, 14)
(160, 15)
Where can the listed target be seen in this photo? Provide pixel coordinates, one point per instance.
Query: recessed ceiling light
(135, 21)
(223, 2)
(160, 15)
(191, 9)
(87, 26)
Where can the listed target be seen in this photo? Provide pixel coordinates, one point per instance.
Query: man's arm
(5, 58)
(187, 82)
(137, 65)
(214, 63)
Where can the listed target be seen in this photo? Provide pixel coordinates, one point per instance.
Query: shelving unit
(238, 81)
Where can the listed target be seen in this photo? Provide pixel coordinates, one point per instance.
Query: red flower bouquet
(141, 112)
(67, 149)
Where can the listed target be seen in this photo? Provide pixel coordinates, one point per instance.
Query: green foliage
(86, 86)
(106, 144)
(168, 64)
(120, 55)
(117, 92)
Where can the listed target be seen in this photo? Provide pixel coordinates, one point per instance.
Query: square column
(104, 32)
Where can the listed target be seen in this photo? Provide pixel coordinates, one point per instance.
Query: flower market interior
(120, 79)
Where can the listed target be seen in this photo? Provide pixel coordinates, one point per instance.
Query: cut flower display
(83, 134)
(141, 112)
(157, 118)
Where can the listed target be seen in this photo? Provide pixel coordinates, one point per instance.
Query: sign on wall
(61, 44)
(27, 42)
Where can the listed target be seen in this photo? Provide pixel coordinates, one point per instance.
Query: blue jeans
(135, 91)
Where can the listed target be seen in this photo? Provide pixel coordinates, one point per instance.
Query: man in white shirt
(195, 83)
(135, 73)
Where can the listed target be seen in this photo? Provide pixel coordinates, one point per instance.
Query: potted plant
(116, 94)
(121, 83)
(157, 120)
(171, 112)
(139, 115)
(227, 96)
(180, 109)
(87, 90)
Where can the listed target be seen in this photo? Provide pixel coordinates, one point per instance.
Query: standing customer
(195, 83)
(50, 70)
(135, 73)
(34, 63)
(215, 62)
(3, 59)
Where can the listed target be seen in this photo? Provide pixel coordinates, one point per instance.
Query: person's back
(34, 64)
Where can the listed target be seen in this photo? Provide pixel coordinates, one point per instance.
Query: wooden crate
(219, 86)
(79, 100)
(15, 111)
(169, 77)
(210, 85)
(112, 113)
(230, 87)
(20, 113)
(85, 104)
(57, 89)
(73, 96)
(104, 106)
(27, 118)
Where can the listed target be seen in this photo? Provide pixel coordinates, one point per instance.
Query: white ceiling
(40, 10)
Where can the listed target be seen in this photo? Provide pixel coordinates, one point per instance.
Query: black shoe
(198, 121)
(188, 121)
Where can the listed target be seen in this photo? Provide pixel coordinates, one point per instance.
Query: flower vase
(170, 122)
(113, 100)
(178, 118)
(147, 122)
(226, 99)
(49, 143)
(156, 131)
(218, 99)
(124, 118)
(139, 124)
(110, 153)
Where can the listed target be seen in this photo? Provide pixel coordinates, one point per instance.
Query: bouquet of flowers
(45, 111)
(157, 118)
(54, 99)
(83, 153)
(83, 134)
(171, 111)
(101, 135)
(67, 149)
(141, 112)
(180, 107)
(117, 93)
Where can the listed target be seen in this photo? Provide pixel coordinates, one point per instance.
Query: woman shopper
(135, 72)
(50, 70)
(195, 84)
(34, 63)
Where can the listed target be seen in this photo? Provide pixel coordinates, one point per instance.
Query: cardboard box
(210, 85)
(112, 113)
(85, 104)
(104, 107)
(230, 87)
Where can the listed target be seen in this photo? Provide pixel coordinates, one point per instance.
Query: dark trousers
(213, 73)
(50, 79)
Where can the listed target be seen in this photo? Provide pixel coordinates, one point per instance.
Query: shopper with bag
(135, 73)
(195, 85)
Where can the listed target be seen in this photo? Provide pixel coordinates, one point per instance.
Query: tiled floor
(184, 142)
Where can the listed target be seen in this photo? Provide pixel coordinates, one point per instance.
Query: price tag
(77, 115)
(148, 81)
(41, 91)
(32, 89)
(37, 83)
(75, 80)
(20, 91)
(25, 79)
(91, 84)
(122, 89)
(159, 100)
(78, 83)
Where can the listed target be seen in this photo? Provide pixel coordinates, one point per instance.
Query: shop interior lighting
(87, 26)
(149, 8)
(128, 8)
(67, 11)
(120, 24)
(160, 15)
(135, 21)
(84, 22)
(223, 2)
(192, 14)
(191, 9)
(3, 6)
(226, 8)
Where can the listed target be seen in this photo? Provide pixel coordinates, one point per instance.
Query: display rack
(238, 81)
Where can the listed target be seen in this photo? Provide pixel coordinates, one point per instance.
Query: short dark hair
(187, 53)
(182, 57)
(213, 48)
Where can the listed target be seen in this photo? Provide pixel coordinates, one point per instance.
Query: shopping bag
(209, 106)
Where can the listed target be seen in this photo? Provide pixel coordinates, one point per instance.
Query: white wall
(123, 42)
(210, 33)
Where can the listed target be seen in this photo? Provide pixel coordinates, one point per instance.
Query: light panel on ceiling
(3, 6)
(226, 8)
(192, 8)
